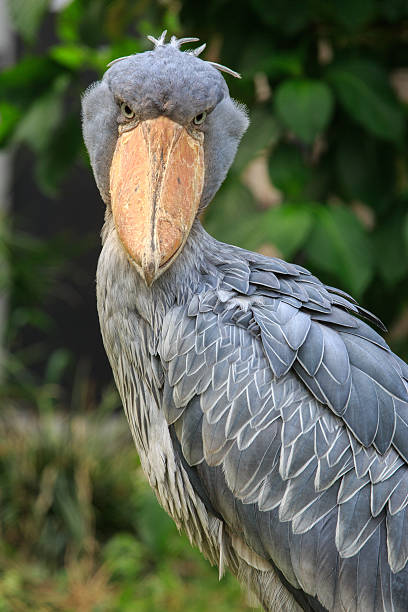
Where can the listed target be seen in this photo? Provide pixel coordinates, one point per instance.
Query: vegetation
(321, 178)
(80, 529)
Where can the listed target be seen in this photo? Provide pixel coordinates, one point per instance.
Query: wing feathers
(355, 524)
(397, 540)
(301, 412)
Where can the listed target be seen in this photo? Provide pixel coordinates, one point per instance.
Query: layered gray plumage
(271, 420)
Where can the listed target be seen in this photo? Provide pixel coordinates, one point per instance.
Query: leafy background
(320, 178)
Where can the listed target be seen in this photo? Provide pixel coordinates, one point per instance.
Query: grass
(80, 529)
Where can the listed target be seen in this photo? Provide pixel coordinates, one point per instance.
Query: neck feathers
(120, 288)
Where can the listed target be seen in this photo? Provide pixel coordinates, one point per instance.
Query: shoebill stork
(270, 419)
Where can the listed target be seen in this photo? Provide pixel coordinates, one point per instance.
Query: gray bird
(270, 419)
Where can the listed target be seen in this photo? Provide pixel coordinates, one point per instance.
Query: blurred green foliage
(320, 178)
(80, 528)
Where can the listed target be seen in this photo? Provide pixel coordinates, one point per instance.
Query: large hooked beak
(156, 182)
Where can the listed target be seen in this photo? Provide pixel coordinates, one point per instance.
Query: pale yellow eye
(127, 111)
(200, 118)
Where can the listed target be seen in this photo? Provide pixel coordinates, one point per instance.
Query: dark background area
(72, 308)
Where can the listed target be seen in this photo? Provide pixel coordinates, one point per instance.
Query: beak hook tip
(149, 273)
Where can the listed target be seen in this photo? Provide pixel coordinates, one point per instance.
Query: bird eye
(127, 111)
(200, 118)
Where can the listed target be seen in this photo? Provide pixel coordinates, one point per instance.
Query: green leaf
(286, 227)
(60, 154)
(263, 131)
(9, 116)
(27, 15)
(71, 56)
(69, 21)
(363, 89)
(289, 172)
(233, 202)
(364, 168)
(27, 80)
(38, 124)
(288, 63)
(339, 245)
(305, 107)
(391, 249)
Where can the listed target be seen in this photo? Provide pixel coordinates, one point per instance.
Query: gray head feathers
(177, 42)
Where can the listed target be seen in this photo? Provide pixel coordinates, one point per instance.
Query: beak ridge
(156, 182)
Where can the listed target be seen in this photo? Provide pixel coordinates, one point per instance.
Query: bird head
(162, 131)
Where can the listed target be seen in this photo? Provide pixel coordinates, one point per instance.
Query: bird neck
(119, 282)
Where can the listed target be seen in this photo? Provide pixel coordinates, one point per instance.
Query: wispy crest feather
(177, 42)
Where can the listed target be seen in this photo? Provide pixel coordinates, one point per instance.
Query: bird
(270, 417)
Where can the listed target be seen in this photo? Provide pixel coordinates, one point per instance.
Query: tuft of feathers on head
(177, 42)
